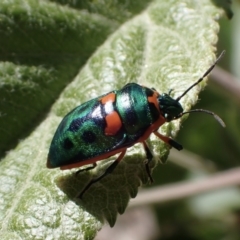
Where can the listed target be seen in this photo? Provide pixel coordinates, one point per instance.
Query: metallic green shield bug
(113, 122)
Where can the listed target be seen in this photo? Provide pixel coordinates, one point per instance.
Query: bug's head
(172, 109)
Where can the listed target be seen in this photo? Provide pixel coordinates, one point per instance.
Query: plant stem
(182, 190)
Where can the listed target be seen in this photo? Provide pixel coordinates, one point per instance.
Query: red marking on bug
(111, 97)
(113, 119)
(153, 99)
(114, 123)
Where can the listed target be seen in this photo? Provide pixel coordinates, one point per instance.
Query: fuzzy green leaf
(167, 46)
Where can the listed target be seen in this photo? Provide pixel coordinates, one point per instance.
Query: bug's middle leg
(149, 159)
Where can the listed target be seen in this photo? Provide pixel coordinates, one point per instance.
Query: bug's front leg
(107, 171)
(169, 141)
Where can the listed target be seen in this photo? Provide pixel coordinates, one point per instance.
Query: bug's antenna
(221, 122)
(203, 76)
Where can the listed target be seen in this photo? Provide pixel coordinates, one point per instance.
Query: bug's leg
(149, 158)
(169, 141)
(107, 171)
(86, 169)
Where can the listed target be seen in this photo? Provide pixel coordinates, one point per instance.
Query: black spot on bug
(131, 117)
(75, 125)
(149, 92)
(68, 144)
(154, 111)
(88, 136)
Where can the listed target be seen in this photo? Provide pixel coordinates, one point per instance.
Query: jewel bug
(113, 122)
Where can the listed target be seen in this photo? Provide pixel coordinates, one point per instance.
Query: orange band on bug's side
(114, 123)
(108, 98)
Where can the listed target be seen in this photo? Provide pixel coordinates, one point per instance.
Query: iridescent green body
(81, 136)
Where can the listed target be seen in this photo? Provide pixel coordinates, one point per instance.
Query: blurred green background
(214, 215)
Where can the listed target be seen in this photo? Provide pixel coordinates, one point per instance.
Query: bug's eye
(168, 117)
